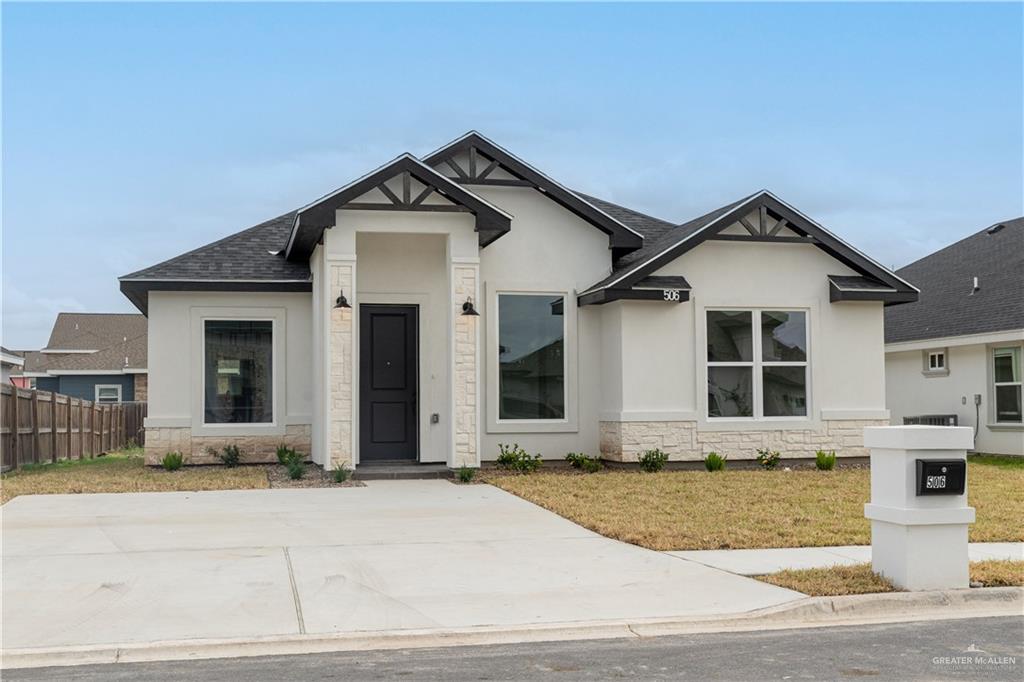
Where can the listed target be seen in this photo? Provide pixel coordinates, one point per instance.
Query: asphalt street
(970, 649)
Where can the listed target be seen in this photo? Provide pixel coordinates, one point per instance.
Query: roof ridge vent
(995, 228)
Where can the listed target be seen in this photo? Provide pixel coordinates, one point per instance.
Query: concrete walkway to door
(123, 568)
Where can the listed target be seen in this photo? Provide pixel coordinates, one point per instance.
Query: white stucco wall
(845, 339)
(548, 250)
(175, 356)
(910, 391)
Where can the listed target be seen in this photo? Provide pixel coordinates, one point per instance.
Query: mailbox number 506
(671, 294)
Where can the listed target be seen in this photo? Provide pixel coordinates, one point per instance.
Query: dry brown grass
(859, 579)
(832, 581)
(678, 510)
(998, 573)
(124, 473)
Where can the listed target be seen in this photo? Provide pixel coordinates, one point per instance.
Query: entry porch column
(466, 364)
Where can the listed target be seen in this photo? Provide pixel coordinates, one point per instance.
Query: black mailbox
(941, 476)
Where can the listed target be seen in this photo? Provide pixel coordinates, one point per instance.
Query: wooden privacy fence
(38, 426)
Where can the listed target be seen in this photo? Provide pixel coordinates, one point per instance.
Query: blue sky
(132, 133)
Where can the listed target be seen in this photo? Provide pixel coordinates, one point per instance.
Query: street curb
(809, 612)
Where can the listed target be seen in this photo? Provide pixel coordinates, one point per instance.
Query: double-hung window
(238, 371)
(531, 357)
(108, 393)
(1006, 376)
(757, 363)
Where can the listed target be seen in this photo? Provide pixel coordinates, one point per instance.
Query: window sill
(1005, 426)
(560, 426)
(931, 374)
(235, 429)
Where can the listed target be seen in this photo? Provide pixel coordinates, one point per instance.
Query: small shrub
(296, 469)
(582, 461)
(230, 456)
(465, 473)
(714, 462)
(514, 458)
(172, 461)
(284, 453)
(652, 461)
(769, 459)
(340, 473)
(825, 461)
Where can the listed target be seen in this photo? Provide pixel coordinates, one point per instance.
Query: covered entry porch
(397, 343)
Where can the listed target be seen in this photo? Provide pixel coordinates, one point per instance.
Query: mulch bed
(314, 477)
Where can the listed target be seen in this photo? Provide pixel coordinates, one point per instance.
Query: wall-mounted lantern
(467, 307)
(342, 302)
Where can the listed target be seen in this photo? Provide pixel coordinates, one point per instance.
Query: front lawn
(859, 579)
(677, 510)
(124, 472)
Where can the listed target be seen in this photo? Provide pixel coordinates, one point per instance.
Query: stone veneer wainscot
(196, 449)
(683, 441)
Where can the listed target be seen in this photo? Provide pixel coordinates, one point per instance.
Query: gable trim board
(471, 219)
(312, 219)
(621, 237)
(898, 290)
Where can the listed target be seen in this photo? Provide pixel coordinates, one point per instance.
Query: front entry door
(388, 361)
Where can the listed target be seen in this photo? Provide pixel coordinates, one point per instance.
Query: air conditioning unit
(931, 420)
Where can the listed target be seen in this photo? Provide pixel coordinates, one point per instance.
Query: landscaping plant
(582, 461)
(769, 459)
(230, 456)
(825, 461)
(296, 469)
(284, 453)
(340, 473)
(465, 473)
(172, 461)
(514, 458)
(714, 462)
(652, 460)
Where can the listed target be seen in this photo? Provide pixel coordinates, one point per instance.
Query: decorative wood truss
(412, 198)
(766, 226)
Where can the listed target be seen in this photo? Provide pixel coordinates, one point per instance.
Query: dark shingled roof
(659, 237)
(251, 254)
(947, 306)
(116, 341)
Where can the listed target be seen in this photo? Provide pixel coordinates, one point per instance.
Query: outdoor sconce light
(342, 302)
(467, 307)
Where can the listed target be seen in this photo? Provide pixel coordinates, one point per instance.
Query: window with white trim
(238, 371)
(531, 357)
(1006, 377)
(108, 393)
(757, 364)
(936, 361)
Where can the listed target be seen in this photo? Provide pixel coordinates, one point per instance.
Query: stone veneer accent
(340, 411)
(682, 441)
(464, 281)
(254, 449)
(141, 387)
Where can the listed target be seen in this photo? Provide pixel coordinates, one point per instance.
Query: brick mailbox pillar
(918, 509)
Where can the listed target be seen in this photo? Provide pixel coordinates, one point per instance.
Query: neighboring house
(11, 362)
(93, 356)
(439, 306)
(958, 350)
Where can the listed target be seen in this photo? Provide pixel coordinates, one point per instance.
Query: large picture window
(757, 363)
(238, 372)
(1007, 379)
(531, 357)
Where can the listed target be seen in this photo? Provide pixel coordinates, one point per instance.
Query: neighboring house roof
(949, 305)
(11, 357)
(100, 342)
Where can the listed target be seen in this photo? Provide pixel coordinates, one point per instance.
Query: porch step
(379, 471)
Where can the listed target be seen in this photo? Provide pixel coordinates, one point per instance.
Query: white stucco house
(441, 305)
(956, 353)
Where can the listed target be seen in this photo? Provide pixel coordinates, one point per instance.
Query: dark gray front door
(388, 360)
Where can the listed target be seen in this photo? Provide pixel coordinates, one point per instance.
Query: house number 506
(671, 294)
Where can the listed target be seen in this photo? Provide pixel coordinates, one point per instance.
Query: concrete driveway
(104, 569)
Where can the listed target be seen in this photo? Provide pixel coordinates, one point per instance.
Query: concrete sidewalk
(84, 570)
(762, 561)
